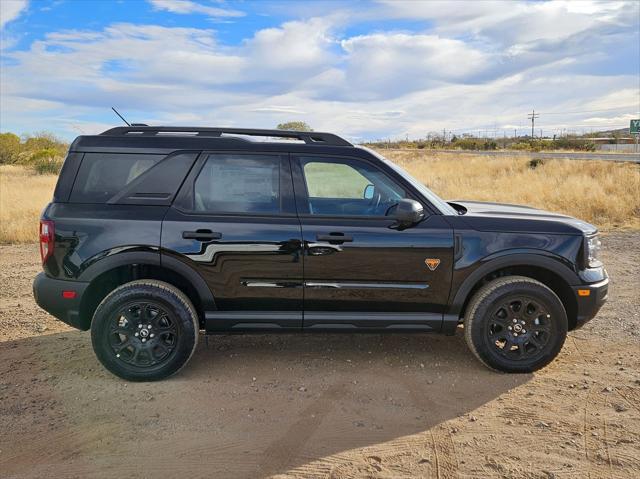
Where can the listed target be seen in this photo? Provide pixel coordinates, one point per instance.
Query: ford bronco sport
(156, 233)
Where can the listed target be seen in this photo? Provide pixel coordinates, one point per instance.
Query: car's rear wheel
(144, 330)
(515, 324)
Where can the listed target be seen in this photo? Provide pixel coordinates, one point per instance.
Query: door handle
(201, 235)
(335, 238)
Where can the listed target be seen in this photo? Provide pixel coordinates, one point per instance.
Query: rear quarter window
(102, 175)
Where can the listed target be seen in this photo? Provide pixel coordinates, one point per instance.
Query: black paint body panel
(252, 249)
(379, 255)
(87, 234)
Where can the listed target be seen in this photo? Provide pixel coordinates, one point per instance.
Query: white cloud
(151, 65)
(608, 120)
(391, 64)
(10, 10)
(298, 44)
(279, 109)
(189, 7)
(516, 21)
(375, 84)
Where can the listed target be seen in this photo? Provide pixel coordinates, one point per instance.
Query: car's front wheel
(144, 330)
(515, 324)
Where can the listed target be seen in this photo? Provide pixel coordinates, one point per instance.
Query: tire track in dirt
(585, 421)
(55, 448)
(434, 449)
(594, 432)
(280, 452)
(442, 445)
(435, 455)
(631, 396)
(444, 451)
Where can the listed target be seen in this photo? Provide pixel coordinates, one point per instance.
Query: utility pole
(532, 116)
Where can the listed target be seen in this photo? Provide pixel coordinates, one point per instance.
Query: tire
(144, 330)
(515, 324)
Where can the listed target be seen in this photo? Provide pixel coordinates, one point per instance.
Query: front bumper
(48, 293)
(589, 304)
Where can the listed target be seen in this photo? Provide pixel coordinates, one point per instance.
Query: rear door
(234, 222)
(360, 271)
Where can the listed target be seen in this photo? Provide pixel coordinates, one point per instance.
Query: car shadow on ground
(245, 406)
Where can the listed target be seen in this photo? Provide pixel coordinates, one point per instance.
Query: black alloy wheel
(515, 324)
(519, 328)
(143, 334)
(144, 330)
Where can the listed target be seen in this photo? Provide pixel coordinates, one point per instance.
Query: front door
(360, 271)
(234, 222)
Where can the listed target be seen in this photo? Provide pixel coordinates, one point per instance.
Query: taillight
(47, 237)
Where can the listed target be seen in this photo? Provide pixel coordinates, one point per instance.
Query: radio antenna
(121, 117)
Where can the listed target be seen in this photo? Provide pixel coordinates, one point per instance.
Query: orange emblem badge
(432, 263)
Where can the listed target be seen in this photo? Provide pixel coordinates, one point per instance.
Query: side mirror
(368, 192)
(407, 213)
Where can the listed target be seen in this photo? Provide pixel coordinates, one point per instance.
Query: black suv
(155, 233)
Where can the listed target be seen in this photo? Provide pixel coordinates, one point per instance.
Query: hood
(485, 216)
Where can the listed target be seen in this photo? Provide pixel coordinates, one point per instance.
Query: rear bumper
(589, 305)
(48, 295)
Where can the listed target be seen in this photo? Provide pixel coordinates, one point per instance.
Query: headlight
(593, 245)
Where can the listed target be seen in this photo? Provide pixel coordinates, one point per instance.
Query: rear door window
(231, 184)
(102, 175)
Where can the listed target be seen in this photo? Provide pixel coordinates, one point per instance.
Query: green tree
(9, 147)
(44, 141)
(294, 126)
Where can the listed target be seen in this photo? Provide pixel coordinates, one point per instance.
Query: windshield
(444, 207)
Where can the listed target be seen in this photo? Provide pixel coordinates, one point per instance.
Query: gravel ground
(335, 406)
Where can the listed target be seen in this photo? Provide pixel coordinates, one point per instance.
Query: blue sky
(366, 69)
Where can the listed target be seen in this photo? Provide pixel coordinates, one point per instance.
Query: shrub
(474, 144)
(46, 161)
(46, 167)
(568, 143)
(520, 146)
(9, 148)
(43, 141)
(42, 152)
(535, 162)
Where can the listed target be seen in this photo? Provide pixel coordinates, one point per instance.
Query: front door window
(348, 187)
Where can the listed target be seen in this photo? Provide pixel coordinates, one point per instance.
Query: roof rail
(309, 137)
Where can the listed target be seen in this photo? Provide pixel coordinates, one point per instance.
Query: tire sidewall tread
(485, 298)
(158, 291)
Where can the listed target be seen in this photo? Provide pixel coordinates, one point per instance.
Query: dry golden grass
(604, 193)
(23, 196)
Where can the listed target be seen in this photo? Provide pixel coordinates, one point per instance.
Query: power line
(451, 130)
(532, 116)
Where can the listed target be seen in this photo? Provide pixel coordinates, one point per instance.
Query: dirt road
(332, 406)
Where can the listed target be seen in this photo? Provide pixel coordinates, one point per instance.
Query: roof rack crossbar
(309, 137)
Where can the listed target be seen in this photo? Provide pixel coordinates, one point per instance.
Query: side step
(293, 321)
